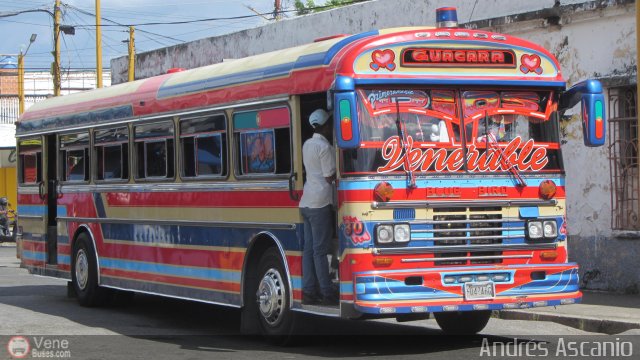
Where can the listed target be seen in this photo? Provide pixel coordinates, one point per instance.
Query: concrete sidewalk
(599, 312)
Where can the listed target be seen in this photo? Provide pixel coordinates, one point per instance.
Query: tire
(462, 322)
(84, 274)
(272, 295)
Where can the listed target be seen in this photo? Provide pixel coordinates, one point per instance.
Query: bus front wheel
(273, 298)
(84, 273)
(462, 322)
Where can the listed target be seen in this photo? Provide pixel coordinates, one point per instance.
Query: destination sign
(445, 57)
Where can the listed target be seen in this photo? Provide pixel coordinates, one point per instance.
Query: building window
(154, 151)
(74, 155)
(263, 141)
(203, 143)
(623, 158)
(112, 154)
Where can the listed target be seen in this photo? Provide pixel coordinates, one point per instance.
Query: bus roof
(420, 56)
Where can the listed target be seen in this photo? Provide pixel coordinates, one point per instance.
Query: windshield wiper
(504, 160)
(402, 134)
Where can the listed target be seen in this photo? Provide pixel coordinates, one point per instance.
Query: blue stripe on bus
(64, 259)
(85, 118)
(344, 42)
(39, 210)
(196, 235)
(346, 184)
(182, 271)
(34, 255)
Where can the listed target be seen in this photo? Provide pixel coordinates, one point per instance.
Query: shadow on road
(208, 328)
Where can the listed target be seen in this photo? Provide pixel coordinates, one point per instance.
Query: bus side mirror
(589, 94)
(345, 117)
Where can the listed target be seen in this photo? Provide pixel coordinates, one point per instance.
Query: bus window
(263, 142)
(154, 151)
(74, 155)
(30, 159)
(112, 154)
(203, 145)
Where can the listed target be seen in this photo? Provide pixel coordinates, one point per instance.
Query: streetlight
(21, 74)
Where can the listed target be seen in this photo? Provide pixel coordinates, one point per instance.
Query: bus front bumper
(488, 288)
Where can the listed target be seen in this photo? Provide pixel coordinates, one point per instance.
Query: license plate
(479, 291)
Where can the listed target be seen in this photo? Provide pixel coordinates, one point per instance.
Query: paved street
(169, 329)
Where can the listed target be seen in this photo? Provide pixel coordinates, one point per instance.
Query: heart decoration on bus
(530, 63)
(383, 59)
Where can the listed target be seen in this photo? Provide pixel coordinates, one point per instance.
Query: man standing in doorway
(315, 206)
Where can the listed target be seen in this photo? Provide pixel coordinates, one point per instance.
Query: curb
(590, 324)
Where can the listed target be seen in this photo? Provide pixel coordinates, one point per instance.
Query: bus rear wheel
(273, 298)
(84, 274)
(462, 322)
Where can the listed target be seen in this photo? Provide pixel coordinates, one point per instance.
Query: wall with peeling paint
(593, 39)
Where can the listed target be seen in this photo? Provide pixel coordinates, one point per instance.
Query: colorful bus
(450, 191)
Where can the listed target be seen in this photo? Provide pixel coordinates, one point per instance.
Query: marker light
(346, 128)
(383, 191)
(549, 255)
(446, 17)
(599, 120)
(382, 261)
(547, 189)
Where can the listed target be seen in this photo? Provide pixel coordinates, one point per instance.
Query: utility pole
(56, 51)
(277, 10)
(20, 83)
(132, 54)
(98, 46)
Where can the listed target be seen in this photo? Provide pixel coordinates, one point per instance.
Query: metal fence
(9, 106)
(623, 158)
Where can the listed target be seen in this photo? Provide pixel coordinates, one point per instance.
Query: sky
(78, 51)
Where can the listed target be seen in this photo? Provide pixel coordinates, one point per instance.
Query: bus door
(51, 198)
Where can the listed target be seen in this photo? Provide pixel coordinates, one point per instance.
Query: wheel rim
(271, 297)
(82, 269)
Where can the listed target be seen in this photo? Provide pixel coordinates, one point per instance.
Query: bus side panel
(189, 261)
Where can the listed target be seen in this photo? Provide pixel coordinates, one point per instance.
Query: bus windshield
(419, 131)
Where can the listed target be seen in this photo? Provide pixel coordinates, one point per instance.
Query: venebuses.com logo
(19, 347)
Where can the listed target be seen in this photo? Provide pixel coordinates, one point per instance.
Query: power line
(227, 18)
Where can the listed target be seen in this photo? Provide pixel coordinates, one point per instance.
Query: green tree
(303, 8)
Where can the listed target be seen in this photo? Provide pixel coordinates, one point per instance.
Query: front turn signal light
(382, 261)
(547, 189)
(548, 255)
(383, 191)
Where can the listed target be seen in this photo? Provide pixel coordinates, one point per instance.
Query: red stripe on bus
(172, 280)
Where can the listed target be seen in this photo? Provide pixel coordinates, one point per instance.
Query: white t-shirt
(320, 162)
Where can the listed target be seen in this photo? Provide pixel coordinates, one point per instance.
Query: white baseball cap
(318, 118)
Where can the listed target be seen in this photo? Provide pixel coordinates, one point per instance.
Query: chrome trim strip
(95, 249)
(464, 248)
(170, 296)
(31, 217)
(454, 258)
(177, 187)
(446, 204)
(29, 190)
(466, 230)
(477, 237)
(284, 260)
(461, 221)
(278, 226)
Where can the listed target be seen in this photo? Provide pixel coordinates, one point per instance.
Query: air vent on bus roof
(175, 70)
(330, 37)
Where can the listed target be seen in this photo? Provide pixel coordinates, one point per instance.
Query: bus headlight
(401, 233)
(534, 229)
(389, 233)
(550, 229)
(384, 234)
